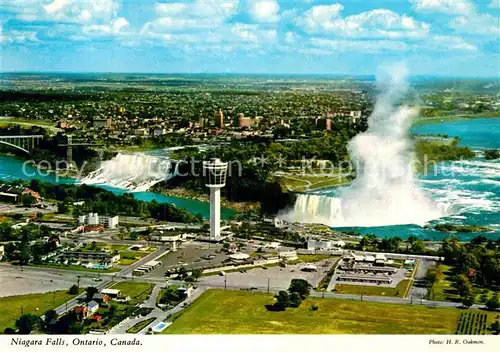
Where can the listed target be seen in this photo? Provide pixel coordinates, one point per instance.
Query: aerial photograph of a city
(249, 167)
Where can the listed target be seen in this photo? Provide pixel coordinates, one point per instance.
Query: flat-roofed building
(112, 293)
(100, 123)
(94, 219)
(365, 278)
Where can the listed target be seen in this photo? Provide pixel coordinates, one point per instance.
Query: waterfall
(385, 191)
(135, 172)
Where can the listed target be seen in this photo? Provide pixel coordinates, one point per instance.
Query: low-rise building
(288, 255)
(141, 132)
(100, 297)
(112, 293)
(102, 123)
(185, 291)
(92, 307)
(94, 219)
(314, 244)
(92, 257)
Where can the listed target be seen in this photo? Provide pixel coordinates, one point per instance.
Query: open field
(38, 303)
(311, 258)
(399, 291)
(138, 291)
(304, 182)
(238, 312)
(25, 122)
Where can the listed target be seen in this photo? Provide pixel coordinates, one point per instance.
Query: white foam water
(135, 172)
(385, 191)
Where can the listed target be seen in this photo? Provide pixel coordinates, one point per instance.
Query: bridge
(25, 143)
(73, 142)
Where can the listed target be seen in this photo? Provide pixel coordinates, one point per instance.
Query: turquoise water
(474, 133)
(13, 169)
(470, 188)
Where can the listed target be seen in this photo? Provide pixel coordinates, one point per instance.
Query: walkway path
(151, 302)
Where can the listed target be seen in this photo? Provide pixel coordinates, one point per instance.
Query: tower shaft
(214, 212)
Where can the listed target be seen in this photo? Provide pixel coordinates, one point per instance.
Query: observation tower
(215, 172)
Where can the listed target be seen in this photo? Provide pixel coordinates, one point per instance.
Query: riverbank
(193, 195)
(452, 118)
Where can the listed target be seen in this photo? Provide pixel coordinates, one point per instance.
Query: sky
(434, 37)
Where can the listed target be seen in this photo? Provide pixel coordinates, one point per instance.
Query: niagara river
(470, 189)
(119, 175)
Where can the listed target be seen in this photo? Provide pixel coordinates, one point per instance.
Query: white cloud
(481, 24)
(17, 37)
(339, 45)
(264, 11)
(494, 4)
(201, 14)
(61, 11)
(451, 7)
(81, 11)
(290, 37)
(446, 42)
(115, 27)
(434, 43)
(378, 23)
(238, 33)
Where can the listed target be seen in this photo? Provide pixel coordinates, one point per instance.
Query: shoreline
(419, 121)
(183, 193)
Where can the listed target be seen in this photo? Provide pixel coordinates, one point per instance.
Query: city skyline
(443, 37)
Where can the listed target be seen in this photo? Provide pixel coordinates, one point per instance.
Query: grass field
(138, 291)
(11, 307)
(399, 291)
(305, 182)
(238, 312)
(443, 289)
(311, 258)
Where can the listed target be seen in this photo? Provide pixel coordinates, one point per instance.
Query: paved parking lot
(191, 254)
(277, 277)
(14, 282)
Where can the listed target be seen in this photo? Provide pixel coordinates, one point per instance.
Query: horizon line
(237, 73)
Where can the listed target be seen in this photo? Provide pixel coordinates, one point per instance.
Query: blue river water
(475, 133)
(13, 169)
(470, 188)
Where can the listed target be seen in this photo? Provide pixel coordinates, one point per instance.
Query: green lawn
(19, 121)
(11, 307)
(310, 182)
(140, 325)
(443, 289)
(400, 291)
(311, 258)
(238, 312)
(138, 291)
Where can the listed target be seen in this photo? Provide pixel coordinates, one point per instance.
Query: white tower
(215, 173)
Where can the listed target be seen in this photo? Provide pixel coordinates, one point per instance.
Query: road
(124, 274)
